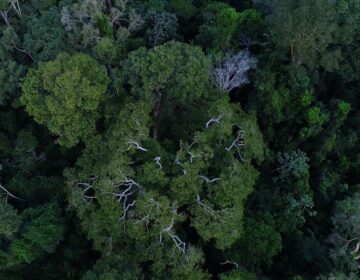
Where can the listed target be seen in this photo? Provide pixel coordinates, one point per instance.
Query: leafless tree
(232, 72)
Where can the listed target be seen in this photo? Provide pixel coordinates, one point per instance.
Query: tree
(260, 243)
(10, 222)
(65, 94)
(172, 77)
(220, 23)
(303, 32)
(184, 8)
(233, 71)
(45, 37)
(132, 188)
(162, 28)
(11, 71)
(37, 233)
(345, 239)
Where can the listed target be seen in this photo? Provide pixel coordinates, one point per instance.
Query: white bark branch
(127, 188)
(214, 120)
(208, 180)
(9, 193)
(137, 146)
(230, 262)
(15, 4)
(157, 161)
(176, 239)
(233, 71)
(239, 141)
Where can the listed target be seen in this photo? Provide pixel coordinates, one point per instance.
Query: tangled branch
(176, 239)
(233, 71)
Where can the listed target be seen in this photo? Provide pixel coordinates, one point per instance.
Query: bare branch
(177, 160)
(4, 15)
(214, 120)
(230, 262)
(15, 4)
(128, 188)
(209, 181)
(157, 161)
(176, 239)
(24, 51)
(239, 141)
(87, 187)
(9, 193)
(137, 146)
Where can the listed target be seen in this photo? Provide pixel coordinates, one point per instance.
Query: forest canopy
(179, 139)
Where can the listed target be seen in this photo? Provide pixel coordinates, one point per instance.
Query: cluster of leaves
(172, 139)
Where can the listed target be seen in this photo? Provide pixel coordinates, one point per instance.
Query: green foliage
(184, 8)
(293, 164)
(65, 94)
(11, 71)
(159, 174)
(303, 32)
(238, 275)
(39, 232)
(162, 28)
(259, 244)
(219, 27)
(45, 37)
(103, 24)
(172, 77)
(10, 221)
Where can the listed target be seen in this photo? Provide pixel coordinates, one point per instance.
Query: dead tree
(232, 73)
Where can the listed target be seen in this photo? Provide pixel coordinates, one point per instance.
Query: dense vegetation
(179, 139)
